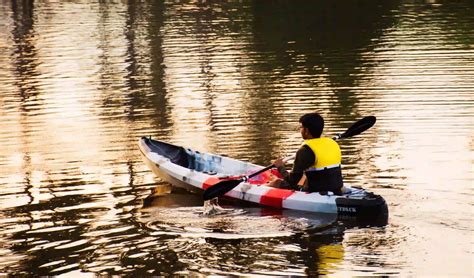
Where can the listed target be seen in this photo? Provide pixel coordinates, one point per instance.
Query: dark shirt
(304, 159)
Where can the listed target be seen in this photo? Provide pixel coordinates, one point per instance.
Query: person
(318, 160)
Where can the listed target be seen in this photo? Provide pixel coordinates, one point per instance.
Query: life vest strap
(324, 168)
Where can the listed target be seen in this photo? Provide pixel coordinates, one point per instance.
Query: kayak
(196, 171)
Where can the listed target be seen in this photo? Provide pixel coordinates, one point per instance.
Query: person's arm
(304, 159)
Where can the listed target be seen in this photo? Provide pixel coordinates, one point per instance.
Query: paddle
(225, 186)
(357, 127)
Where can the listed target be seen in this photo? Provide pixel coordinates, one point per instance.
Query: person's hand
(278, 163)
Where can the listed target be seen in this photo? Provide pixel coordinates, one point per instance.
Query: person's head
(312, 125)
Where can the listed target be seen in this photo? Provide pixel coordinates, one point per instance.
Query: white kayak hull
(196, 171)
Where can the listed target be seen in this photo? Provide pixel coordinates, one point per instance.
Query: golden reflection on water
(81, 82)
(432, 146)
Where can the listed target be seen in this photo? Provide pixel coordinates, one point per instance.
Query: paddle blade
(358, 127)
(220, 189)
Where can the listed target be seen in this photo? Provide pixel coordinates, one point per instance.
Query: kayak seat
(322, 181)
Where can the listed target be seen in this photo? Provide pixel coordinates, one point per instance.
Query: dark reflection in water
(81, 82)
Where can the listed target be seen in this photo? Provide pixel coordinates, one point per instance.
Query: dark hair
(314, 123)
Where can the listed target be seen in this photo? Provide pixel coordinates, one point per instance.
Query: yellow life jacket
(327, 152)
(325, 174)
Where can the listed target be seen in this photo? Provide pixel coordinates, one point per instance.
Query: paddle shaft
(286, 159)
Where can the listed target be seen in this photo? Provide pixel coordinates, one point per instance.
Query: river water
(82, 81)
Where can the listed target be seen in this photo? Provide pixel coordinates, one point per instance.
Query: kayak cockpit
(175, 154)
(198, 161)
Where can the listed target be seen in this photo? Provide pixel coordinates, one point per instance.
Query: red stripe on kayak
(213, 180)
(210, 182)
(274, 197)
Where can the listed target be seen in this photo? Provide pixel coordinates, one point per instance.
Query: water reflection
(234, 237)
(80, 82)
(176, 209)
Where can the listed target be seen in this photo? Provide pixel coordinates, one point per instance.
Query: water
(80, 82)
